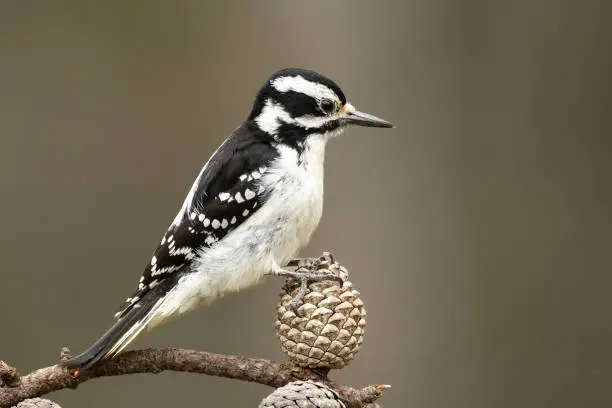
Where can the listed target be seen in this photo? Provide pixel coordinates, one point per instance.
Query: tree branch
(9, 375)
(266, 372)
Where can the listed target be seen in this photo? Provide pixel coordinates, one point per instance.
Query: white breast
(271, 236)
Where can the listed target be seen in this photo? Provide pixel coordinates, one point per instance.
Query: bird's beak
(352, 116)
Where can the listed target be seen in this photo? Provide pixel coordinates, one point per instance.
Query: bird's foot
(310, 262)
(304, 278)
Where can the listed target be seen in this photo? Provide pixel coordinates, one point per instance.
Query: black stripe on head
(295, 136)
(297, 104)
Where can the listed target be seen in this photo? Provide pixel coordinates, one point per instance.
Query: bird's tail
(125, 329)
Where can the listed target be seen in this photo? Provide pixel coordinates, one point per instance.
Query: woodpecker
(252, 207)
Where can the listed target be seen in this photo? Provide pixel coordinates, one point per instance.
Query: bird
(253, 206)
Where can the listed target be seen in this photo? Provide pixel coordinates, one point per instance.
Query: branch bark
(9, 375)
(262, 371)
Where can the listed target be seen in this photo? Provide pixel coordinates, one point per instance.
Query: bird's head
(296, 103)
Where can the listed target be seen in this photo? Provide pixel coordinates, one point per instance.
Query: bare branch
(266, 372)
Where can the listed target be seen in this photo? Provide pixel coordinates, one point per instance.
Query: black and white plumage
(253, 206)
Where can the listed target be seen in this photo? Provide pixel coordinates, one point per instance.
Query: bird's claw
(310, 262)
(305, 278)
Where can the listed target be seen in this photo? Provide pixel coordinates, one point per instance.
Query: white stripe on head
(310, 121)
(299, 84)
(271, 116)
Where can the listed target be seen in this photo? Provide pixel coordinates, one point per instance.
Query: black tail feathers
(112, 339)
(129, 325)
(117, 337)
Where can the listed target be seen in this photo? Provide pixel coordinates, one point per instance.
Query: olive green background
(478, 230)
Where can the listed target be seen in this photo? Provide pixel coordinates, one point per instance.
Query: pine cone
(329, 326)
(37, 403)
(303, 394)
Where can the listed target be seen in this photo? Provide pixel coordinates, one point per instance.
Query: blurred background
(478, 230)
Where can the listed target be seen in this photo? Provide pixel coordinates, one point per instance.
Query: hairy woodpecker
(252, 207)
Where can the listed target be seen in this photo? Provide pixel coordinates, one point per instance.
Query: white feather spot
(243, 177)
(201, 217)
(239, 198)
(245, 213)
(153, 260)
(170, 238)
(224, 196)
(256, 174)
(216, 224)
(233, 220)
(153, 284)
(248, 194)
(210, 240)
(207, 222)
(224, 223)
(166, 269)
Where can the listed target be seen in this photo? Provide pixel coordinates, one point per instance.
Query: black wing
(225, 194)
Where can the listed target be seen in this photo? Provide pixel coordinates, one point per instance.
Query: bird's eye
(327, 106)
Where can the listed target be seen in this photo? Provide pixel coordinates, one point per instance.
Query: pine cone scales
(329, 326)
(303, 394)
(37, 403)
